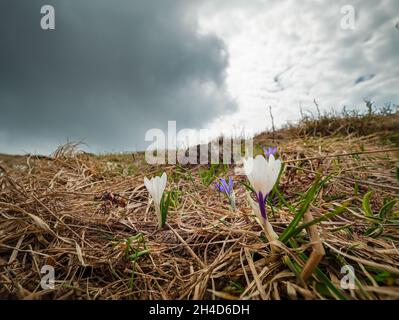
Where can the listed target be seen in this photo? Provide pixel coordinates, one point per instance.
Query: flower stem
(271, 236)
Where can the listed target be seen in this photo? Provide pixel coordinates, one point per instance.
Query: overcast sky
(111, 70)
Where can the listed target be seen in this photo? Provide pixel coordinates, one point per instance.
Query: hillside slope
(58, 211)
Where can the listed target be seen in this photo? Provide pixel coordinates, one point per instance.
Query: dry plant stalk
(318, 251)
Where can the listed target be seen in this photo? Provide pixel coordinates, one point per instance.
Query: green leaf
(327, 216)
(294, 267)
(165, 207)
(320, 274)
(386, 208)
(397, 173)
(375, 231)
(307, 200)
(236, 285)
(356, 187)
(247, 186)
(136, 255)
(395, 214)
(366, 205)
(282, 199)
(209, 175)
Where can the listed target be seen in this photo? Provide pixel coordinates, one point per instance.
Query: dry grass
(51, 212)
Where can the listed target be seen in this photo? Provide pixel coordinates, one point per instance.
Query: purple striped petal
(262, 204)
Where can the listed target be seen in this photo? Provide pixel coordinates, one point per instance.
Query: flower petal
(259, 174)
(148, 185)
(163, 179)
(230, 184)
(255, 208)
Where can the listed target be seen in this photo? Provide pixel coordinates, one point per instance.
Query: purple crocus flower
(225, 187)
(270, 151)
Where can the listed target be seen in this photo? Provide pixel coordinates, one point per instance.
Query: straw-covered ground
(90, 218)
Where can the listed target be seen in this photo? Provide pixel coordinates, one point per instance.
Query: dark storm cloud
(110, 71)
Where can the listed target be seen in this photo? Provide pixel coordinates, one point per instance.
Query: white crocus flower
(262, 174)
(156, 187)
(266, 224)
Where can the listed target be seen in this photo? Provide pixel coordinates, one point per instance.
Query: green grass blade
(247, 186)
(366, 205)
(325, 217)
(282, 199)
(164, 207)
(386, 208)
(320, 274)
(307, 200)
